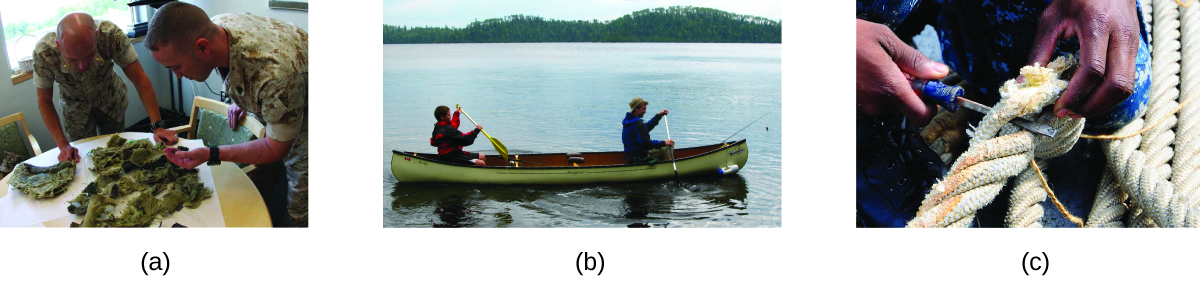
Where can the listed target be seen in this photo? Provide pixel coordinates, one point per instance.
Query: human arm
(260, 151)
(643, 130)
(654, 121)
(66, 152)
(145, 90)
(457, 138)
(1108, 36)
(454, 121)
(883, 66)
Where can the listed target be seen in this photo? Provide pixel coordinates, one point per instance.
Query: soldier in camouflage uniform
(264, 63)
(80, 58)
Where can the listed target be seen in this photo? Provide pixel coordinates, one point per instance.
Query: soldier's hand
(236, 114)
(187, 159)
(165, 136)
(68, 153)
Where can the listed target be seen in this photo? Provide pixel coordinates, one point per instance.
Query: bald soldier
(264, 65)
(79, 56)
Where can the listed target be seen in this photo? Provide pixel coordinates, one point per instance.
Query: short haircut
(440, 111)
(177, 23)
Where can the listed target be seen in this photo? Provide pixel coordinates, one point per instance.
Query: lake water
(571, 97)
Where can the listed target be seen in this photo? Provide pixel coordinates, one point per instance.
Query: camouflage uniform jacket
(268, 77)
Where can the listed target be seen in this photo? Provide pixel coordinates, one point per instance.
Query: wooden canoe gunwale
(719, 148)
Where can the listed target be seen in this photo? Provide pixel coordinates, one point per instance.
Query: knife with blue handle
(950, 98)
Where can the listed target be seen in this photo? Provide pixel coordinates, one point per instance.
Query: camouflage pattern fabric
(268, 77)
(94, 100)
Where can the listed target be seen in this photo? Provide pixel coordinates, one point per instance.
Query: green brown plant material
(43, 182)
(135, 174)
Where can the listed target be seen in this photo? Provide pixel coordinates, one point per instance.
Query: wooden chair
(33, 148)
(16, 139)
(194, 126)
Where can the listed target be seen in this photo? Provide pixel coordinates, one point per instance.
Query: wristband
(214, 156)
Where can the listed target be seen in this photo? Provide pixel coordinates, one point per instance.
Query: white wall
(22, 97)
(216, 7)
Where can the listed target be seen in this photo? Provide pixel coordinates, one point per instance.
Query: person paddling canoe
(450, 141)
(635, 134)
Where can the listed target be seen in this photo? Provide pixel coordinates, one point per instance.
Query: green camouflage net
(42, 182)
(137, 176)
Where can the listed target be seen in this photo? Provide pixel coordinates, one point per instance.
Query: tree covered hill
(674, 24)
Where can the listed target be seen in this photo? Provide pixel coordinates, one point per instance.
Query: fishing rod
(747, 126)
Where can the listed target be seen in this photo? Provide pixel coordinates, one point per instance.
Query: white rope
(1187, 143)
(1148, 16)
(1025, 209)
(1109, 206)
(1139, 164)
(999, 150)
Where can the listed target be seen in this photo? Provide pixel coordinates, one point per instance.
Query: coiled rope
(1147, 181)
(999, 151)
(1140, 158)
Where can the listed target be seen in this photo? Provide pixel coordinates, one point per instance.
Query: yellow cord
(1054, 198)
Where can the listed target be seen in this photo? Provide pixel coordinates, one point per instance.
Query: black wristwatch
(159, 124)
(214, 156)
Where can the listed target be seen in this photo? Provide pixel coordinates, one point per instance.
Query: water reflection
(655, 203)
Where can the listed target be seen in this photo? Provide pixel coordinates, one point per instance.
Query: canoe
(554, 168)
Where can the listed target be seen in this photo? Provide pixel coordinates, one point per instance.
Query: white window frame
(21, 47)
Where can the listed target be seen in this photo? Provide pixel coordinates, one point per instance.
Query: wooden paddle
(668, 124)
(495, 143)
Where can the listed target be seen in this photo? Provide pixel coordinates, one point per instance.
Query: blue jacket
(635, 134)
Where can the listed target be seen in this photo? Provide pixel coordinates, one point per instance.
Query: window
(25, 22)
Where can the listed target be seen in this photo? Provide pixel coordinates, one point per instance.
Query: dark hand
(1108, 36)
(236, 114)
(883, 61)
(165, 136)
(187, 159)
(68, 153)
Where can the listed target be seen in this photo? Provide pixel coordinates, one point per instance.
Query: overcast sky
(459, 13)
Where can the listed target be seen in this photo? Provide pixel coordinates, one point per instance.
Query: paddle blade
(500, 148)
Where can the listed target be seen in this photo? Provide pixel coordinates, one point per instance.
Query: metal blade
(1037, 128)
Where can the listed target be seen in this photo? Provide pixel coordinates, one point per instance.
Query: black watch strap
(159, 124)
(214, 156)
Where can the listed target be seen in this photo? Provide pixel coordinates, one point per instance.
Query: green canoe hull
(600, 167)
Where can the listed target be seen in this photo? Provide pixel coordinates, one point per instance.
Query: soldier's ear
(202, 45)
(203, 48)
